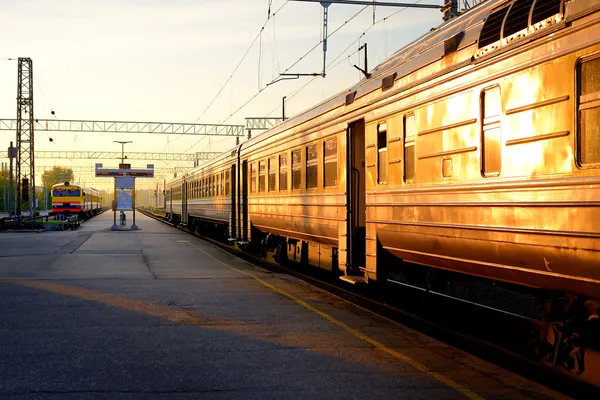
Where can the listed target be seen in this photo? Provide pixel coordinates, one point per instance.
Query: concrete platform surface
(158, 314)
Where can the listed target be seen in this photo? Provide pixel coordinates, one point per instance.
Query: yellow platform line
(417, 365)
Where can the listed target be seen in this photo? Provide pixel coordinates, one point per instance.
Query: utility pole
(25, 157)
(4, 204)
(12, 154)
(122, 150)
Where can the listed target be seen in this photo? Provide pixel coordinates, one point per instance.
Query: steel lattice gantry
(128, 127)
(113, 155)
(25, 145)
(261, 123)
(91, 169)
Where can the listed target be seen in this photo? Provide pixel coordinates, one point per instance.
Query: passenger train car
(475, 149)
(71, 199)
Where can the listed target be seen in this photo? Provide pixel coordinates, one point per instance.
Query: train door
(244, 205)
(233, 219)
(184, 211)
(355, 201)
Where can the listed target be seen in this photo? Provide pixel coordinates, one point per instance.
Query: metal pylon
(25, 164)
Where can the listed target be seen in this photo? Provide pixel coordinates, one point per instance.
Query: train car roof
(448, 39)
(461, 37)
(74, 185)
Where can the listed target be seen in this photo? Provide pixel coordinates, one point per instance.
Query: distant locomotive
(70, 199)
(475, 149)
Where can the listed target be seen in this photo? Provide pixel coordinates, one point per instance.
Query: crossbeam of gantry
(167, 128)
(82, 169)
(99, 183)
(110, 155)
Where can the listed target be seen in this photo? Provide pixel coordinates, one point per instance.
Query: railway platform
(159, 314)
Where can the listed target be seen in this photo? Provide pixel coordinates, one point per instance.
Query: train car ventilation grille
(451, 45)
(350, 98)
(388, 81)
(518, 17)
(492, 28)
(543, 9)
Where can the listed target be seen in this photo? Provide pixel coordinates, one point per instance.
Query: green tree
(4, 188)
(57, 175)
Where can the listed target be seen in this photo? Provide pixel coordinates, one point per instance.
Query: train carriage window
(491, 113)
(588, 110)
(283, 172)
(311, 166)
(272, 174)
(296, 170)
(545, 9)
(66, 193)
(492, 28)
(262, 176)
(409, 148)
(253, 178)
(330, 172)
(227, 183)
(517, 18)
(382, 154)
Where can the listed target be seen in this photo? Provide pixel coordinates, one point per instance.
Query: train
(474, 150)
(70, 199)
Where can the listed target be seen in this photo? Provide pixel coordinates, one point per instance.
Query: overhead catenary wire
(308, 52)
(241, 60)
(328, 36)
(260, 90)
(257, 37)
(331, 64)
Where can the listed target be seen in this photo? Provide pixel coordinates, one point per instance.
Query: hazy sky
(166, 60)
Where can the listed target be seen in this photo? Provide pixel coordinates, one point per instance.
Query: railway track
(487, 332)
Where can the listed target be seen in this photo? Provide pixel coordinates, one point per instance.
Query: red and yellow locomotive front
(67, 199)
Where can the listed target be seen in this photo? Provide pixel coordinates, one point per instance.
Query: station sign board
(125, 182)
(109, 172)
(140, 173)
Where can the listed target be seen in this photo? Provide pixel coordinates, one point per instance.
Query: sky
(170, 60)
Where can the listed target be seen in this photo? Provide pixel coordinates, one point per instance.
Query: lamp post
(122, 150)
